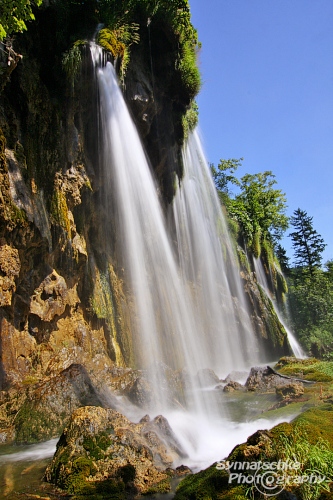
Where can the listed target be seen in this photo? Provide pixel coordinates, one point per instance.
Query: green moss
(9, 212)
(308, 369)
(108, 39)
(72, 61)
(317, 423)
(59, 211)
(76, 482)
(161, 487)
(277, 332)
(256, 244)
(205, 485)
(190, 119)
(33, 426)
(244, 262)
(189, 71)
(117, 40)
(97, 445)
(290, 410)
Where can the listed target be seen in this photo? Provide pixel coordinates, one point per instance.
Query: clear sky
(267, 96)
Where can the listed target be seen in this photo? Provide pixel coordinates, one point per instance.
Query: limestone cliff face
(62, 296)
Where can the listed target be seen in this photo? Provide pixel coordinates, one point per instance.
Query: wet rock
(265, 379)
(51, 297)
(48, 407)
(232, 386)
(183, 470)
(101, 450)
(291, 391)
(17, 348)
(140, 393)
(9, 271)
(207, 377)
(237, 376)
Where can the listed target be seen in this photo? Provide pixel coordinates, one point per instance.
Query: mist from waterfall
(262, 280)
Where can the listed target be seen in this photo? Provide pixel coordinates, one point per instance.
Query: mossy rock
(317, 423)
(33, 426)
(205, 485)
(309, 369)
(95, 446)
(161, 487)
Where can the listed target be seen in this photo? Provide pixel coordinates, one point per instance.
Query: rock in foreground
(101, 451)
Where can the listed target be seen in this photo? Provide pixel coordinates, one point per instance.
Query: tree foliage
(311, 288)
(307, 243)
(14, 14)
(311, 304)
(258, 207)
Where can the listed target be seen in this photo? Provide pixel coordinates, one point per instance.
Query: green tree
(311, 288)
(311, 305)
(282, 257)
(307, 243)
(223, 175)
(258, 207)
(14, 14)
(263, 205)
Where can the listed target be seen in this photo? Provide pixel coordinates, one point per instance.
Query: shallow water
(22, 469)
(205, 439)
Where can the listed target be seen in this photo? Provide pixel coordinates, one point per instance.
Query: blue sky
(267, 96)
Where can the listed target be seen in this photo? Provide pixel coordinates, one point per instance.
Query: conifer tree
(307, 243)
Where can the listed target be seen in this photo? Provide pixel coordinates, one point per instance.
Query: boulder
(51, 297)
(293, 390)
(102, 451)
(48, 406)
(232, 386)
(207, 377)
(265, 379)
(140, 393)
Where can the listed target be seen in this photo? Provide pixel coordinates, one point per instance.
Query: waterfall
(183, 285)
(209, 266)
(262, 280)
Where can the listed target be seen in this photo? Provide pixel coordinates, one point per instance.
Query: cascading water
(262, 280)
(189, 313)
(163, 313)
(208, 264)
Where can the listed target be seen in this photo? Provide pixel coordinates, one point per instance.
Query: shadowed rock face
(103, 443)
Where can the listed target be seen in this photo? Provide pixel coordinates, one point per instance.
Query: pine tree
(307, 243)
(281, 254)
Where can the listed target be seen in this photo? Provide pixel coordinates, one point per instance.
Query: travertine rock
(9, 270)
(110, 444)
